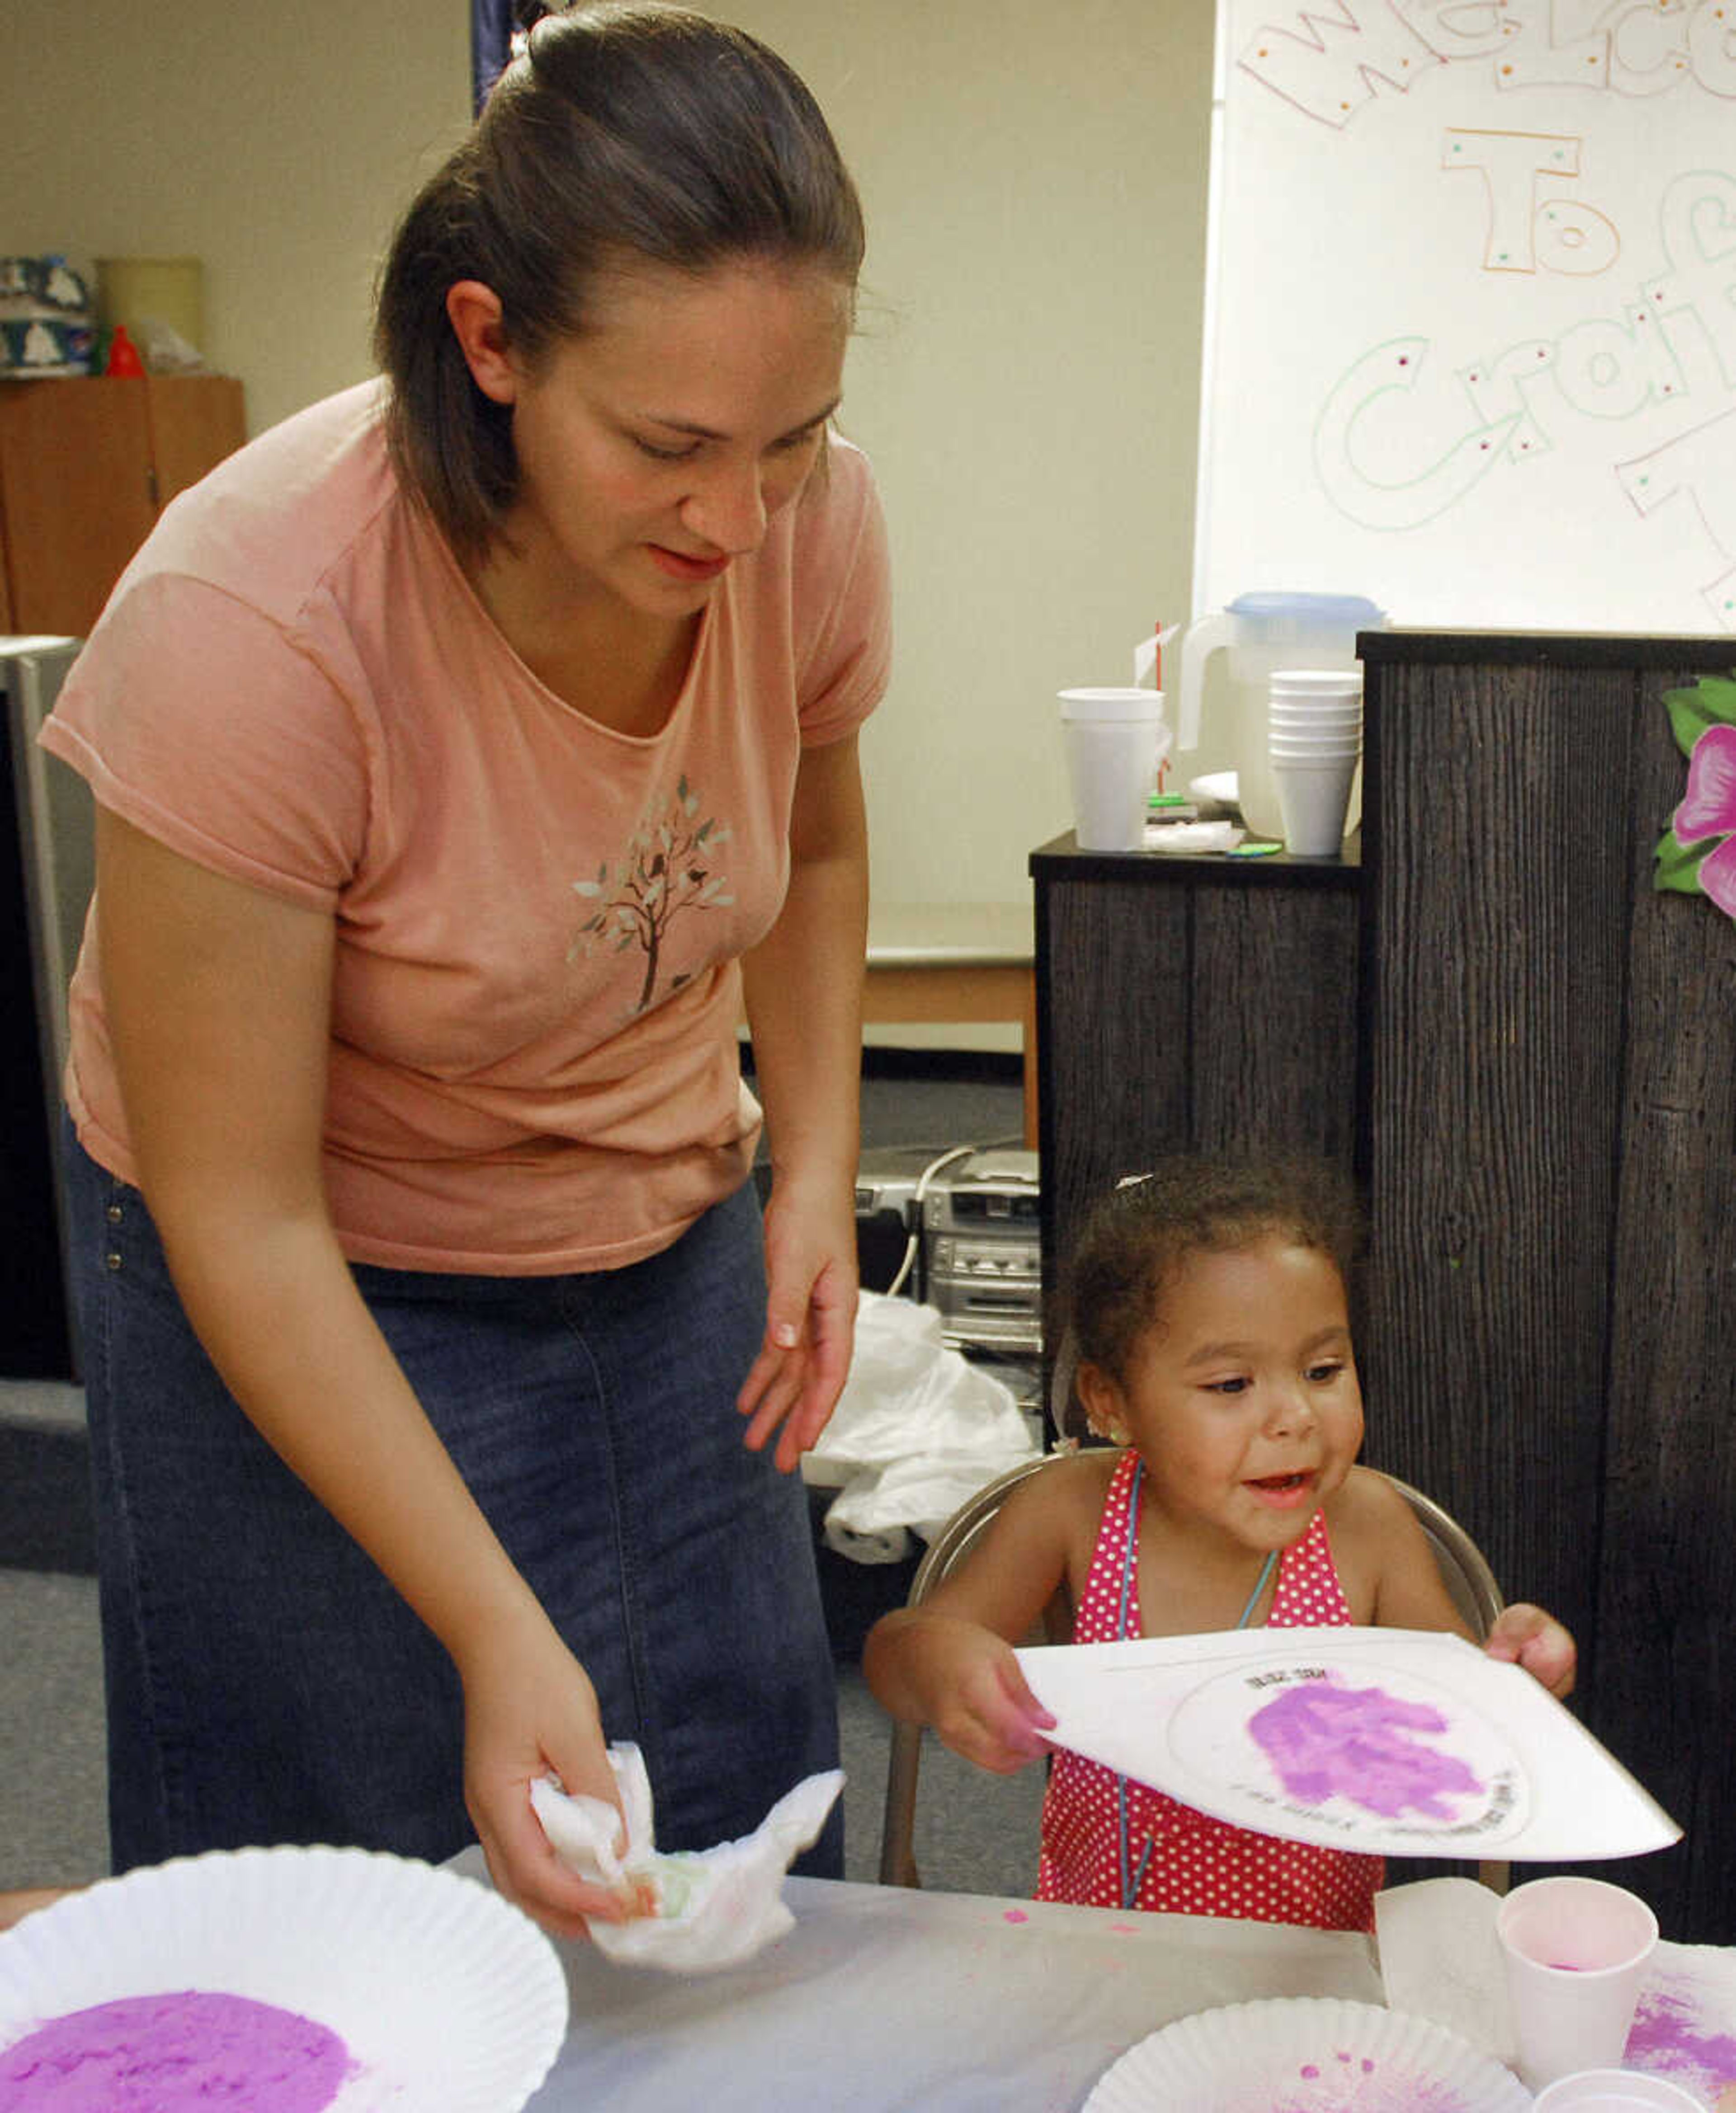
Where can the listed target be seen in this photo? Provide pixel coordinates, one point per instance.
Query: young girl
(1209, 1308)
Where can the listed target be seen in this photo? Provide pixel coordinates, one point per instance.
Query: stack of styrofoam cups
(1315, 742)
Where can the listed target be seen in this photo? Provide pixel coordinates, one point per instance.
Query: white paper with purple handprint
(1393, 1742)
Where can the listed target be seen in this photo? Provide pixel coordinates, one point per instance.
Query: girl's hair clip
(1131, 1181)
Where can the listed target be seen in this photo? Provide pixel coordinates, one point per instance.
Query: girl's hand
(530, 1711)
(980, 1705)
(794, 1382)
(1526, 1636)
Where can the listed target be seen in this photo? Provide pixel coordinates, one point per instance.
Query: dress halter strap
(1266, 1568)
(1131, 1879)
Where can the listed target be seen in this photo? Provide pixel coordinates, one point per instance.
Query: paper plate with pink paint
(1394, 1742)
(1306, 2054)
(446, 1998)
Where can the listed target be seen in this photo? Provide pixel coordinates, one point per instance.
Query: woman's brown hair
(623, 132)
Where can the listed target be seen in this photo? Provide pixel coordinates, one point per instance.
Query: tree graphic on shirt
(665, 869)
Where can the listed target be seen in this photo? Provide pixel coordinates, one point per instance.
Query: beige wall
(1025, 379)
(276, 143)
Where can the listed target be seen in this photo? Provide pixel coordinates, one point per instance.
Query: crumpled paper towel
(713, 1907)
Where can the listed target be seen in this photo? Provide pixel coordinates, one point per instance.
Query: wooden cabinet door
(196, 419)
(85, 469)
(75, 496)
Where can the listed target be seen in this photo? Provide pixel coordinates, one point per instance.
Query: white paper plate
(450, 1998)
(1306, 2054)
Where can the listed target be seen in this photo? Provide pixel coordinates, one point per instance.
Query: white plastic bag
(917, 1429)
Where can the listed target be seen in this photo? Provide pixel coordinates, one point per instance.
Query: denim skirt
(265, 1683)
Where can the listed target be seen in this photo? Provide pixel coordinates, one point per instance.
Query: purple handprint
(1327, 1740)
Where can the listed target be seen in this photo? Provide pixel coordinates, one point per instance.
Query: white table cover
(882, 1998)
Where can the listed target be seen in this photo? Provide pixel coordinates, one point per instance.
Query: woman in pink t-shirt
(467, 752)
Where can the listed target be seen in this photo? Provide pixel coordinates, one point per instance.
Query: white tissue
(714, 1907)
(1192, 835)
(1440, 1958)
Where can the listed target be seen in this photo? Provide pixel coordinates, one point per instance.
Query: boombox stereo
(973, 1216)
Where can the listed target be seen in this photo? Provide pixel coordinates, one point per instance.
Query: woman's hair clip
(526, 14)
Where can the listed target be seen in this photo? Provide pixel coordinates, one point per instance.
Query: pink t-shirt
(534, 1062)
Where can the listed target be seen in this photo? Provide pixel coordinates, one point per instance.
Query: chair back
(1463, 1570)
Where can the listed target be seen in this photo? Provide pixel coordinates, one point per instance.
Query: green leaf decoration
(1712, 701)
(1678, 866)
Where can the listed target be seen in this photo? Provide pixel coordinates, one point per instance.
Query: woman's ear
(475, 313)
(1100, 1398)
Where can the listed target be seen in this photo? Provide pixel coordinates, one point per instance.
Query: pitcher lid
(1321, 608)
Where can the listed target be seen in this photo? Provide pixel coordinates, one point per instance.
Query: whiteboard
(1471, 345)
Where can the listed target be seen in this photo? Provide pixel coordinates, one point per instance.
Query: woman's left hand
(794, 1382)
(1526, 1636)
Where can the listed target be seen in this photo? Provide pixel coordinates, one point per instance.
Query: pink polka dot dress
(1196, 1865)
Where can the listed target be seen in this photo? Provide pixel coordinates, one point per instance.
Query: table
(883, 1998)
(944, 962)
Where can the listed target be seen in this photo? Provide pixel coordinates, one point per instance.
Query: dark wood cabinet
(1188, 1003)
(1530, 1056)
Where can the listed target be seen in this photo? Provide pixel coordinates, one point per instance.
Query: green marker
(1246, 849)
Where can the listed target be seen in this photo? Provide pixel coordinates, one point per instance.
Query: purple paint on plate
(1398, 2091)
(156, 2054)
(1326, 1740)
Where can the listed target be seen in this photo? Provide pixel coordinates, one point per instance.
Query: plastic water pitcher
(1260, 633)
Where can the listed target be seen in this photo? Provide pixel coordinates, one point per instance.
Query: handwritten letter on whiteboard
(1474, 336)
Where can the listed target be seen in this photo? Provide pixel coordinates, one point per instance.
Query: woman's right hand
(531, 1712)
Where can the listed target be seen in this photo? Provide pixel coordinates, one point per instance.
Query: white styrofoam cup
(1615, 2091)
(1315, 799)
(1115, 740)
(1576, 1952)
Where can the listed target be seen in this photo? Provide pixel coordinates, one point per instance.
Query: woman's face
(653, 451)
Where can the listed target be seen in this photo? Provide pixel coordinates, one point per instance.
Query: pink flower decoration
(1708, 809)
